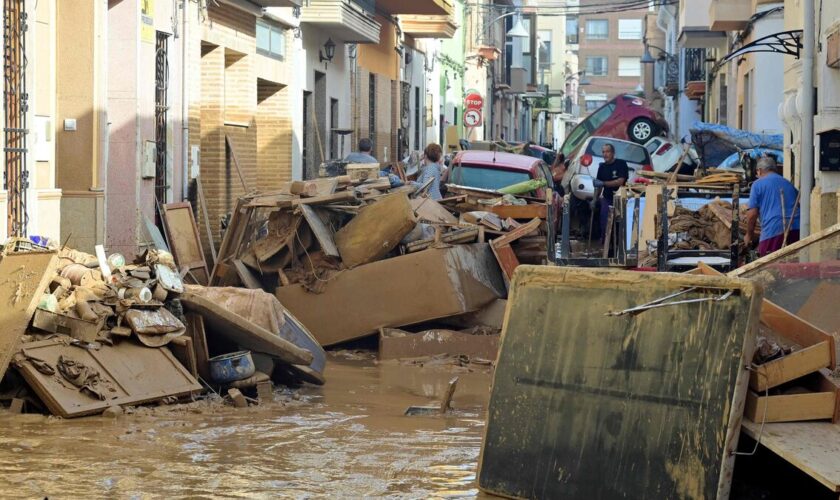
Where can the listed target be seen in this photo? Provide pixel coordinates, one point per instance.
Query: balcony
(417, 7)
(278, 3)
(347, 20)
(694, 25)
(428, 26)
(695, 73)
(729, 15)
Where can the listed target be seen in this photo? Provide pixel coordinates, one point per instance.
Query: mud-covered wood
(585, 405)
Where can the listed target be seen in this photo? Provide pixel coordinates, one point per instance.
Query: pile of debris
(349, 256)
(709, 228)
(89, 333)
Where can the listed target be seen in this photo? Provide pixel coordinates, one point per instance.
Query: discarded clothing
(82, 376)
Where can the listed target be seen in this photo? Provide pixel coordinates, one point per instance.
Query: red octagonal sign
(473, 100)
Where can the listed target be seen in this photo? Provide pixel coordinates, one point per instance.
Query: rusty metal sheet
(644, 405)
(23, 277)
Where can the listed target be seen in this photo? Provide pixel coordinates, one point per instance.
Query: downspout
(806, 179)
(185, 129)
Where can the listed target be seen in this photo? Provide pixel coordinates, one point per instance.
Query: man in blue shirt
(363, 155)
(766, 198)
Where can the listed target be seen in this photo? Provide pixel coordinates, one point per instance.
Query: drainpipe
(806, 179)
(185, 129)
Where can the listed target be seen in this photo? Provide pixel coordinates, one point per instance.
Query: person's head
(766, 165)
(608, 152)
(365, 146)
(433, 153)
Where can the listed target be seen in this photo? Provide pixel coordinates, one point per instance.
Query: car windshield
(587, 128)
(629, 152)
(485, 178)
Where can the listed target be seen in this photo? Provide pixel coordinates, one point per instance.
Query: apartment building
(610, 52)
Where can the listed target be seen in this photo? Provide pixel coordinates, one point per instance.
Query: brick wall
(227, 98)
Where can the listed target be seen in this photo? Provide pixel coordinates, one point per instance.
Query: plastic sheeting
(717, 142)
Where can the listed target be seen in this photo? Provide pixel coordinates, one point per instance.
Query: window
(544, 50)
(596, 66)
(629, 66)
(572, 30)
(271, 40)
(629, 29)
(597, 29)
(599, 118)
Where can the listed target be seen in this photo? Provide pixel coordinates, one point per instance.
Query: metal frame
(784, 42)
(15, 106)
(663, 254)
(622, 257)
(161, 113)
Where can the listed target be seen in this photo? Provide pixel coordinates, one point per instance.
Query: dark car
(626, 117)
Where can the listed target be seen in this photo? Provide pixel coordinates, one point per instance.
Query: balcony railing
(695, 65)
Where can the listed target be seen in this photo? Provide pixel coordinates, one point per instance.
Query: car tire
(641, 130)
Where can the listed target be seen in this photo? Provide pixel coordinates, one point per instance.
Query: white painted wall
(767, 79)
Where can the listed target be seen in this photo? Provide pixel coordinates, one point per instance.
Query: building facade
(610, 52)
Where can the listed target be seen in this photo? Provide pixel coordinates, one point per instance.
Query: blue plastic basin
(231, 367)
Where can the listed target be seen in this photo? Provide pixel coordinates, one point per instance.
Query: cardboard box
(404, 290)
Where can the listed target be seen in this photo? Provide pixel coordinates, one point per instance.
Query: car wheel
(641, 130)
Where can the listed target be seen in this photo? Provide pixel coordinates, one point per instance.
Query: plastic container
(231, 367)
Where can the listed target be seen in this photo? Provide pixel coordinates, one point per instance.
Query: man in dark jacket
(612, 174)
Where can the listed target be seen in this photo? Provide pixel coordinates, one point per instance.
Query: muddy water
(348, 439)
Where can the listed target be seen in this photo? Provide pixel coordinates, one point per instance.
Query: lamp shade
(518, 30)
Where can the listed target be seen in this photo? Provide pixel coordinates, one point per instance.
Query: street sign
(473, 100)
(472, 117)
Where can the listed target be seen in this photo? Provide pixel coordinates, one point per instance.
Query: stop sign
(473, 100)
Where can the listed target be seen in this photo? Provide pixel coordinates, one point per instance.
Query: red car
(625, 117)
(494, 170)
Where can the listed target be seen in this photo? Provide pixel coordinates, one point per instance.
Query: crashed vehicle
(582, 169)
(626, 117)
(666, 153)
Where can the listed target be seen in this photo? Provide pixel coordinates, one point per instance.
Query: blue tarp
(716, 143)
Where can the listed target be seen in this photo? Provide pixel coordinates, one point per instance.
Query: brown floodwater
(346, 439)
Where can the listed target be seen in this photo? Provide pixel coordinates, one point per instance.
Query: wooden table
(812, 447)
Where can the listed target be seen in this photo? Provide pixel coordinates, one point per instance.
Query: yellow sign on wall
(147, 21)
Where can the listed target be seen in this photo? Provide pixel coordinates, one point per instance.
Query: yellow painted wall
(381, 58)
(76, 157)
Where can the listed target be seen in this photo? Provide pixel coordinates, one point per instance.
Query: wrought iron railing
(695, 65)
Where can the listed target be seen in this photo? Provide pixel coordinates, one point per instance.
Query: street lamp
(329, 47)
(647, 58)
(517, 31)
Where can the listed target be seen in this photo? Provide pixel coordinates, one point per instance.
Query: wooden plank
(652, 195)
(519, 232)
(377, 230)
(131, 374)
(195, 330)
(794, 365)
(586, 394)
(428, 210)
(202, 201)
(182, 348)
(786, 251)
(322, 233)
(184, 241)
(721, 213)
(243, 332)
(229, 143)
(246, 276)
(464, 235)
(519, 211)
(339, 197)
(819, 308)
(812, 447)
(508, 262)
(23, 278)
(790, 407)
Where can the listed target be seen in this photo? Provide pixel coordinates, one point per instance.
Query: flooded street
(346, 439)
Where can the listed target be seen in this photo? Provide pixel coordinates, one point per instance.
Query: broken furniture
(126, 373)
(23, 278)
(645, 402)
(796, 278)
(404, 290)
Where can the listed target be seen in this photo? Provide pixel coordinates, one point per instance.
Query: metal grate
(15, 105)
(161, 113)
(372, 116)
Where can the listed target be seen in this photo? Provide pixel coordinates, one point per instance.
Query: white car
(665, 153)
(584, 167)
